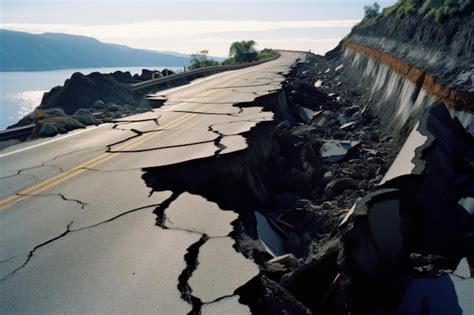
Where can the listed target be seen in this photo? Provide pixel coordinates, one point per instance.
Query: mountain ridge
(22, 51)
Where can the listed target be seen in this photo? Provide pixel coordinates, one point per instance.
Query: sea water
(22, 91)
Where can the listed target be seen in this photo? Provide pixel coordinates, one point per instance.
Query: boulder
(48, 130)
(82, 91)
(148, 75)
(166, 72)
(123, 77)
(87, 119)
(53, 112)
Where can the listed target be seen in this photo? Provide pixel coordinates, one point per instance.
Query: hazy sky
(189, 26)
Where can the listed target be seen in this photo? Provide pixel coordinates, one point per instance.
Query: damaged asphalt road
(254, 191)
(79, 225)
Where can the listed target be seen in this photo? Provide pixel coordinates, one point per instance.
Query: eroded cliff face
(409, 64)
(420, 77)
(445, 50)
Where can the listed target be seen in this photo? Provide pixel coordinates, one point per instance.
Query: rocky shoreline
(86, 100)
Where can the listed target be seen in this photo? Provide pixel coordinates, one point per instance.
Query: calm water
(21, 92)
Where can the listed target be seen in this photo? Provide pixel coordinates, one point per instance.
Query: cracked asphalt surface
(78, 225)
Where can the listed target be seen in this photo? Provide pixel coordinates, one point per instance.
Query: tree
(266, 53)
(200, 60)
(243, 51)
(371, 11)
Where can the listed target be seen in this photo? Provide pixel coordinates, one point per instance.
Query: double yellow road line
(81, 168)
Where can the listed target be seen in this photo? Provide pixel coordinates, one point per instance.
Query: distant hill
(26, 51)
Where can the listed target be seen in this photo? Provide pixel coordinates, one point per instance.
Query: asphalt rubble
(322, 158)
(292, 187)
(331, 161)
(332, 153)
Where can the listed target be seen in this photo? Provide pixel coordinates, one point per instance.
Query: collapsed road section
(79, 226)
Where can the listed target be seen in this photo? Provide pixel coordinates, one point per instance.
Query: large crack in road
(104, 220)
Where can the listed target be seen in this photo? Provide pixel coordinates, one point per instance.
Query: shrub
(371, 11)
(200, 60)
(439, 10)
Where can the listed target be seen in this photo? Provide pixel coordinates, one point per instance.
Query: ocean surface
(21, 92)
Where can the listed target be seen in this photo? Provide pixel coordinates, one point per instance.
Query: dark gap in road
(20, 171)
(137, 132)
(116, 217)
(141, 133)
(224, 180)
(280, 174)
(217, 141)
(191, 264)
(44, 163)
(60, 195)
(32, 252)
(190, 257)
(160, 210)
(68, 231)
(236, 181)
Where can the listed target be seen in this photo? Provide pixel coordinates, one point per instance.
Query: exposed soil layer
(445, 49)
(458, 99)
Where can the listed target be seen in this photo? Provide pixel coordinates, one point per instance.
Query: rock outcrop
(81, 91)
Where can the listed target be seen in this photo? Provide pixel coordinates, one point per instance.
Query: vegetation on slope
(439, 10)
(200, 60)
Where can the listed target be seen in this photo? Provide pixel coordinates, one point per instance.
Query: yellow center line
(81, 168)
(59, 178)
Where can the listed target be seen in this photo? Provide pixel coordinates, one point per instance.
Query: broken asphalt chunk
(307, 114)
(271, 239)
(203, 217)
(336, 150)
(221, 270)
